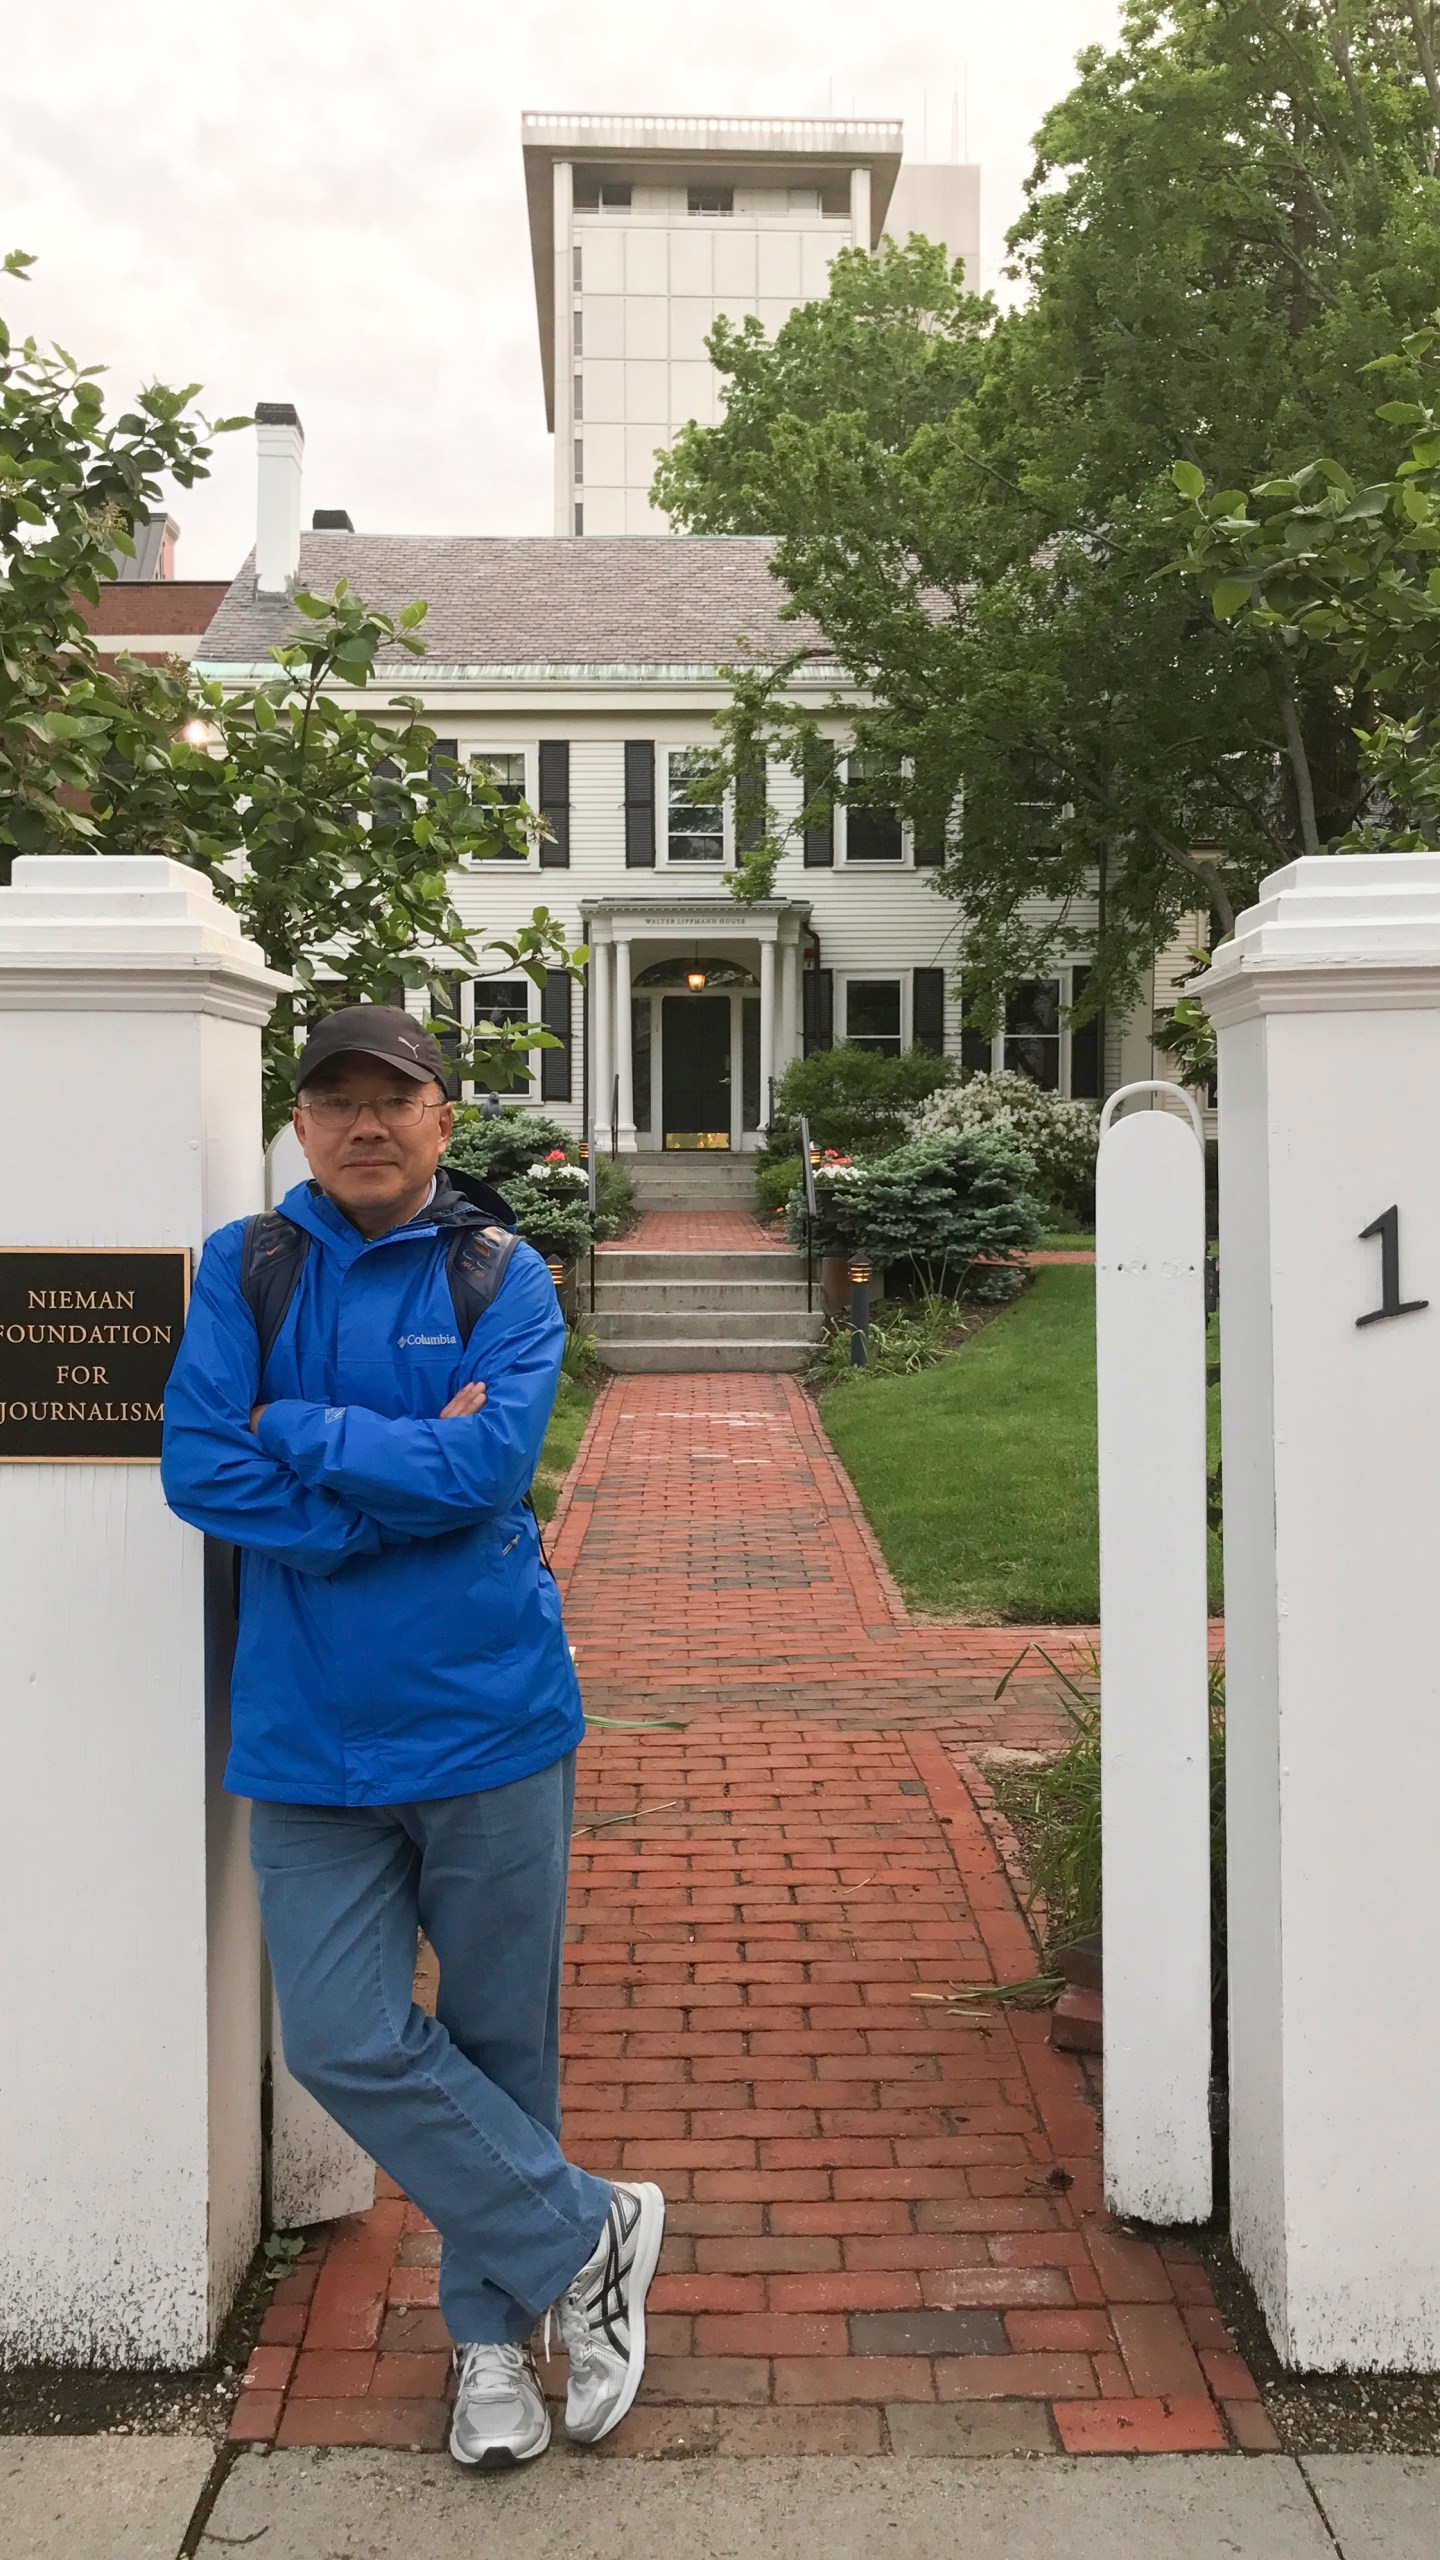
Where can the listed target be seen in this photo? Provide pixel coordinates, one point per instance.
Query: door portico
(660, 972)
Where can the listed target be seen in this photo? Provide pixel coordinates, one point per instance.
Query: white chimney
(280, 443)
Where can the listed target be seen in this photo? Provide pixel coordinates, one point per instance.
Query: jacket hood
(460, 1200)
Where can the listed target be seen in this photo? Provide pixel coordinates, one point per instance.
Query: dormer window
(711, 199)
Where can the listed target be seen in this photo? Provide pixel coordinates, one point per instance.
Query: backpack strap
(475, 1264)
(272, 1257)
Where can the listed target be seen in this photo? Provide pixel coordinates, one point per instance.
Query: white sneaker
(602, 2315)
(500, 2417)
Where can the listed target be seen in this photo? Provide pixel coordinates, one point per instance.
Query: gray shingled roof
(640, 600)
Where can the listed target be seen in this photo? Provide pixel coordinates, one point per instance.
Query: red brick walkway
(886, 2229)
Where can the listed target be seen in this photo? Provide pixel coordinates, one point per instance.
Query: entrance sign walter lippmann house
(86, 1343)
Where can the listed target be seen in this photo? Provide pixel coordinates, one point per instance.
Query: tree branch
(1426, 52)
(1300, 768)
(1340, 48)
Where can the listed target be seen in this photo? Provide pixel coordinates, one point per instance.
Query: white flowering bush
(1059, 1137)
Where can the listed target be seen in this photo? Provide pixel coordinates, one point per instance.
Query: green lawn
(567, 1424)
(978, 1475)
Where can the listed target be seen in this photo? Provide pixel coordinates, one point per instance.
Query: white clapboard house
(587, 674)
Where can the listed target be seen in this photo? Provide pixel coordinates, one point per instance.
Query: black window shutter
(819, 1009)
(640, 803)
(929, 843)
(555, 1016)
(448, 748)
(819, 775)
(927, 1010)
(555, 809)
(1087, 1049)
(750, 794)
(977, 1051)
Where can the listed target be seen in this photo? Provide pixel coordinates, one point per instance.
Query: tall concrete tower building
(645, 229)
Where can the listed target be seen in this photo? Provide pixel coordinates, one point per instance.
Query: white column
(789, 1043)
(1327, 1006)
(624, 1049)
(860, 208)
(601, 1045)
(130, 1018)
(1150, 1347)
(767, 1027)
(563, 189)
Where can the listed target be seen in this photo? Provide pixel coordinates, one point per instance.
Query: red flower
(556, 1156)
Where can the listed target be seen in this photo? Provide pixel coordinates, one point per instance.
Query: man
(404, 1708)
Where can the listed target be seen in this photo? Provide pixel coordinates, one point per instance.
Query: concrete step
(700, 1168)
(724, 1187)
(752, 1296)
(718, 1324)
(714, 1269)
(636, 1359)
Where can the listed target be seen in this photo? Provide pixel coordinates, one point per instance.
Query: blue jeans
(462, 2109)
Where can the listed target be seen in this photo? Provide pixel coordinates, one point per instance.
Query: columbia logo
(428, 1342)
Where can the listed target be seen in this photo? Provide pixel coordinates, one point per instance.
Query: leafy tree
(333, 832)
(1341, 585)
(1228, 216)
(73, 487)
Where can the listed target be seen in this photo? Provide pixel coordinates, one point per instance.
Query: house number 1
(1387, 1228)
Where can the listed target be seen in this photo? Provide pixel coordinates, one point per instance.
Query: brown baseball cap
(373, 1031)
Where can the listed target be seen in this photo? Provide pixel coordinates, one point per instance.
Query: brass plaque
(711, 1138)
(87, 1341)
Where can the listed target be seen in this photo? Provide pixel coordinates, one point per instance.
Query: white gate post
(1155, 1756)
(1327, 1007)
(130, 1016)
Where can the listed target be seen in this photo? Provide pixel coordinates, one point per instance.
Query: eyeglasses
(394, 1110)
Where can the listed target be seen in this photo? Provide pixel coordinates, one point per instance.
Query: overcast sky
(324, 204)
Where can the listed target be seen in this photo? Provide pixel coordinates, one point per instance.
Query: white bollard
(130, 1017)
(1155, 1758)
(1327, 1007)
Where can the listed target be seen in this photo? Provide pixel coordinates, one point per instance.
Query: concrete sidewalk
(102, 2498)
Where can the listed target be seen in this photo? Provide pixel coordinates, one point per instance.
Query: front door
(695, 1070)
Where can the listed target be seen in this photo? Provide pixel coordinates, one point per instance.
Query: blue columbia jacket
(400, 1637)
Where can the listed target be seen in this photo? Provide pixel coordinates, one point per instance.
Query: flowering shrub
(853, 1097)
(1059, 1137)
(960, 1206)
(544, 1185)
(508, 1145)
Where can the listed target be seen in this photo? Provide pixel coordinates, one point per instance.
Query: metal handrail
(807, 1176)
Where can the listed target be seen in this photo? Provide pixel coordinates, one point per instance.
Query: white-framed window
(871, 828)
(875, 1014)
(467, 1001)
(695, 831)
(1036, 1040)
(512, 769)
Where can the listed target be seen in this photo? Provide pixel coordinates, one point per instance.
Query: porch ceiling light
(694, 980)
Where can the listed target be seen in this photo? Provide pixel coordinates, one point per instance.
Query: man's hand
(466, 1400)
